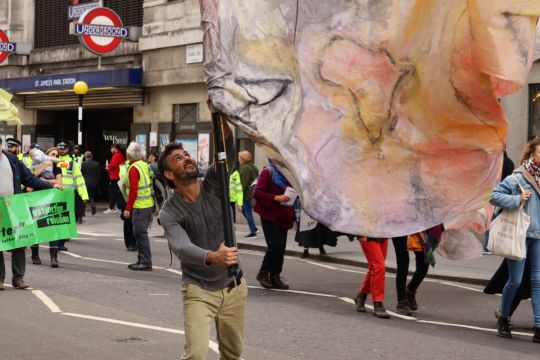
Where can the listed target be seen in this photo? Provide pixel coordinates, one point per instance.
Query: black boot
(35, 255)
(305, 254)
(278, 283)
(54, 257)
(411, 300)
(503, 328)
(536, 336)
(379, 310)
(322, 251)
(402, 308)
(360, 301)
(263, 278)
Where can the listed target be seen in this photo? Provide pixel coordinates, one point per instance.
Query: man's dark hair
(162, 162)
(116, 146)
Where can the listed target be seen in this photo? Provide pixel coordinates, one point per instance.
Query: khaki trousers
(227, 308)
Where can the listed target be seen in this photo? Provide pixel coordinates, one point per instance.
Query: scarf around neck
(533, 167)
(279, 180)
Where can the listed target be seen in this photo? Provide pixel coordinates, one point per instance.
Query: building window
(185, 117)
(52, 24)
(534, 110)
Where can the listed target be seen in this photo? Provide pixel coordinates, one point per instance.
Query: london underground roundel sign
(5, 46)
(100, 30)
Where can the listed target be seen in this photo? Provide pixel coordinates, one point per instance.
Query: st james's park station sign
(100, 30)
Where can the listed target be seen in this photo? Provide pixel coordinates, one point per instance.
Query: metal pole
(221, 169)
(79, 122)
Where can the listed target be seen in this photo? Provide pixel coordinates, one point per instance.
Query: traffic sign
(5, 46)
(100, 30)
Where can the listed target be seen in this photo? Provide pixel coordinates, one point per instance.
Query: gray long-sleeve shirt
(194, 229)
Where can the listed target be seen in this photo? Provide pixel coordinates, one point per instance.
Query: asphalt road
(94, 307)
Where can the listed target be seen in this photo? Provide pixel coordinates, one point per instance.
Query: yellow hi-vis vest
(73, 178)
(145, 193)
(235, 189)
(26, 160)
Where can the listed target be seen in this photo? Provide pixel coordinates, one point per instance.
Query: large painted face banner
(384, 114)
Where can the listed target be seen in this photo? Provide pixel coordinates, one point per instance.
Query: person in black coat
(92, 174)
(21, 175)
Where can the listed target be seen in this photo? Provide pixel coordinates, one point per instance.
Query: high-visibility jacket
(78, 159)
(73, 178)
(235, 189)
(26, 159)
(145, 192)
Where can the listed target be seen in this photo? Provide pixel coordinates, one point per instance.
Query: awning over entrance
(99, 98)
(112, 88)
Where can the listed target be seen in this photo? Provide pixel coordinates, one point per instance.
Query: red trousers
(375, 252)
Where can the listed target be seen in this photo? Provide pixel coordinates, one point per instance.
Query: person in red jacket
(114, 175)
(276, 220)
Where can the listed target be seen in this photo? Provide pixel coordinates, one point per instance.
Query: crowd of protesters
(140, 187)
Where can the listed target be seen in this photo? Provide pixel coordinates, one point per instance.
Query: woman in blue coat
(508, 196)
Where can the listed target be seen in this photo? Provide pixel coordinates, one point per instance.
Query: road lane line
(319, 264)
(106, 261)
(174, 271)
(470, 327)
(459, 286)
(212, 344)
(90, 233)
(47, 301)
(72, 254)
(158, 294)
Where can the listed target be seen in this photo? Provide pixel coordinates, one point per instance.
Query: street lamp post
(80, 88)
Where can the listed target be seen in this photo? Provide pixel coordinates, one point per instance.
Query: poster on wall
(163, 141)
(153, 139)
(189, 145)
(141, 140)
(26, 141)
(203, 155)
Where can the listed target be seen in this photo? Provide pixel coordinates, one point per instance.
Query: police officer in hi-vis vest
(129, 240)
(140, 204)
(72, 178)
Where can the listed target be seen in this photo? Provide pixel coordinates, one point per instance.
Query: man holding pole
(13, 174)
(193, 222)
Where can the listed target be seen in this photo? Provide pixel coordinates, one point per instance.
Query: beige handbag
(508, 233)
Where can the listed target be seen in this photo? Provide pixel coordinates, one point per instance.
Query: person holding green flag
(13, 174)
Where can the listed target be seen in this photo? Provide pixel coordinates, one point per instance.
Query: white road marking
(470, 327)
(106, 261)
(72, 254)
(158, 294)
(47, 301)
(174, 271)
(212, 344)
(319, 264)
(457, 285)
(90, 233)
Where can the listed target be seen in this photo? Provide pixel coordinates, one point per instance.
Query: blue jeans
(515, 275)
(247, 211)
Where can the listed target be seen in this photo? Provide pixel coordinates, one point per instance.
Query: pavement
(477, 271)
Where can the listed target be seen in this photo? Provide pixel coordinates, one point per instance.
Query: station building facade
(151, 91)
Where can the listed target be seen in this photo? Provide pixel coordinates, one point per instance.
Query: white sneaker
(110, 211)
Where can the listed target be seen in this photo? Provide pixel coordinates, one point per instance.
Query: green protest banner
(36, 217)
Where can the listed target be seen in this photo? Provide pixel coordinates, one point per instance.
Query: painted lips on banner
(383, 114)
(36, 217)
